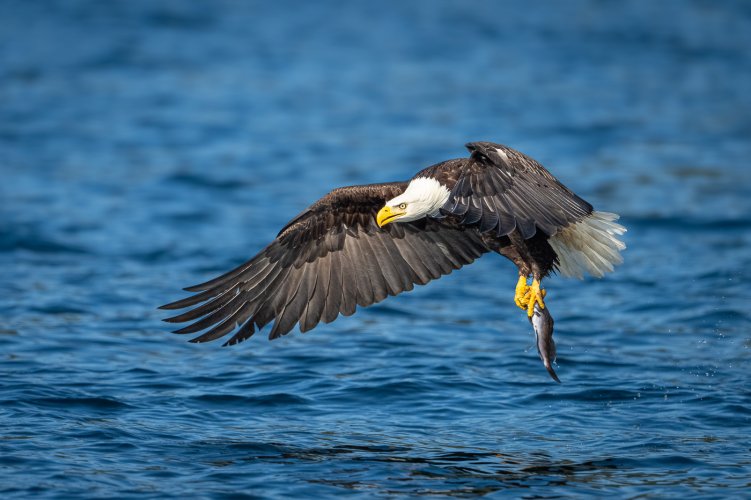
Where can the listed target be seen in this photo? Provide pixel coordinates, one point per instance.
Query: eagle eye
(402, 206)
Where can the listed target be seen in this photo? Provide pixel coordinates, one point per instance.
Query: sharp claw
(521, 293)
(536, 296)
(526, 296)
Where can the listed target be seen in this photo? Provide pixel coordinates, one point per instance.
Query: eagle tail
(591, 245)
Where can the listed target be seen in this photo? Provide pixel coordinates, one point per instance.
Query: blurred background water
(149, 145)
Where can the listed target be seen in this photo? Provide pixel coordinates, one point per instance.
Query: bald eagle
(359, 244)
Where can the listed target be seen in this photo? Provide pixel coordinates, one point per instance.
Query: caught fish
(542, 322)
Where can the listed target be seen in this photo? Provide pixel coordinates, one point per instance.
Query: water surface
(146, 146)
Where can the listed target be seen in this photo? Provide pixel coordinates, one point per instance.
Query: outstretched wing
(330, 258)
(501, 189)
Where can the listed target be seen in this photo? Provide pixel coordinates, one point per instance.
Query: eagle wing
(330, 258)
(501, 189)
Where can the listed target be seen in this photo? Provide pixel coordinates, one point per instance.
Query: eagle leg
(522, 289)
(534, 295)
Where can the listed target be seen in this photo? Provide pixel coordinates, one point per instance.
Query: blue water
(146, 146)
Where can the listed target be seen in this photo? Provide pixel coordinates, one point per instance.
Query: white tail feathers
(590, 245)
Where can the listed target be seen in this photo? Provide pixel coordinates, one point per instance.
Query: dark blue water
(146, 146)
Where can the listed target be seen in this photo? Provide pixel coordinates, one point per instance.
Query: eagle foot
(534, 295)
(521, 291)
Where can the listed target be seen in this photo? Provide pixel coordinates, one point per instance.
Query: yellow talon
(521, 291)
(534, 296)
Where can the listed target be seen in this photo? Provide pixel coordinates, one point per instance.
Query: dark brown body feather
(333, 256)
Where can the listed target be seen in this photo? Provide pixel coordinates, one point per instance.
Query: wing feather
(206, 308)
(391, 275)
(334, 294)
(369, 268)
(317, 299)
(364, 286)
(222, 328)
(349, 283)
(326, 261)
(414, 260)
(501, 189)
(405, 272)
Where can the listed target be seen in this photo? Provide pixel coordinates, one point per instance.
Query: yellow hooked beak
(388, 214)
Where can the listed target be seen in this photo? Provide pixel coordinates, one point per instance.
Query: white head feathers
(423, 197)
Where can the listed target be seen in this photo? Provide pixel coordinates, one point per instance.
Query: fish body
(542, 323)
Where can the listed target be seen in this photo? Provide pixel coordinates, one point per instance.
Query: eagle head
(423, 197)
